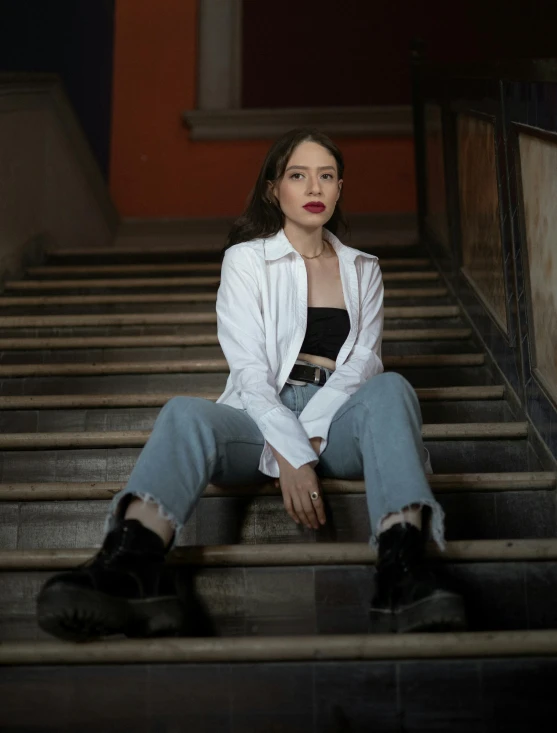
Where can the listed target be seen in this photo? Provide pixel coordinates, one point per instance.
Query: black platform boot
(124, 589)
(408, 596)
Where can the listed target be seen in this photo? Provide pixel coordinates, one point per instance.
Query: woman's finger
(319, 508)
(300, 511)
(307, 504)
(287, 500)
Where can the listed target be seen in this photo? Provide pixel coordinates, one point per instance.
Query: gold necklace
(315, 256)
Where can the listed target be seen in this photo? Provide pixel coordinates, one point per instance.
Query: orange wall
(156, 171)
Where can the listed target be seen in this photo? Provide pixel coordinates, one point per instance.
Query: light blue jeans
(376, 435)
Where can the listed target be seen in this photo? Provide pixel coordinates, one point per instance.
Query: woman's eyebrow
(305, 167)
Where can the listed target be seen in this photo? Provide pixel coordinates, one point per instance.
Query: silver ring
(314, 496)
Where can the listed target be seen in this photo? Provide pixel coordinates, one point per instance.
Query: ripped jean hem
(436, 525)
(117, 511)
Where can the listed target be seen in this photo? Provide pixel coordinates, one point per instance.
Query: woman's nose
(314, 185)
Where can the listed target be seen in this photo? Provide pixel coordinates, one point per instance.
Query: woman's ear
(339, 188)
(270, 196)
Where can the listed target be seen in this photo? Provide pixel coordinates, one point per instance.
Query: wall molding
(219, 114)
(258, 124)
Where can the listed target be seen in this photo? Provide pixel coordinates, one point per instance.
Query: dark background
(329, 53)
(357, 52)
(73, 38)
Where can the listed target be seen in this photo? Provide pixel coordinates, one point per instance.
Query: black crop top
(327, 329)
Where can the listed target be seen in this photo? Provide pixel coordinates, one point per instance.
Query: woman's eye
(293, 175)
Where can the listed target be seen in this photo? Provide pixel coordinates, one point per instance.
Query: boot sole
(82, 614)
(441, 611)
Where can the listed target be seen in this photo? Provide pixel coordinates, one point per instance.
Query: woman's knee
(185, 409)
(388, 384)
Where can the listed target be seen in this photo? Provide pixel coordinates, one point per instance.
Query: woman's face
(310, 177)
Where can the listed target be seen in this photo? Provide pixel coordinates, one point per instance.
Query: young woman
(300, 320)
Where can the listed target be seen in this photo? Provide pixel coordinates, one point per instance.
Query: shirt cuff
(316, 417)
(281, 429)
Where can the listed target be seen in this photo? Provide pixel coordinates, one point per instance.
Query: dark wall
(356, 52)
(73, 38)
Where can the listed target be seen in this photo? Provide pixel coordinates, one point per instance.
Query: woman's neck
(308, 243)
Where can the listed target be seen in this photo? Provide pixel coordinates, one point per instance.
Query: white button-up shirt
(261, 320)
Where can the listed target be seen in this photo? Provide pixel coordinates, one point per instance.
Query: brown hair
(262, 218)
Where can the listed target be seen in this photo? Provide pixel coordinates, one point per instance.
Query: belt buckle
(317, 376)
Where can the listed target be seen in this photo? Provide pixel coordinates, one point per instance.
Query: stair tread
(298, 554)
(131, 438)
(208, 338)
(214, 365)
(207, 317)
(520, 643)
(384, 240)
(416, 275)
(68, 490)
(156, 399)
(165, 297)
(48, 270)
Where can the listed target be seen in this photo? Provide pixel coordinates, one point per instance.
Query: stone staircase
(92, 345)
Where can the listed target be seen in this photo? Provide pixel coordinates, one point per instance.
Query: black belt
(312, 374)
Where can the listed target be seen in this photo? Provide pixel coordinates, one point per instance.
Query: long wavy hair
(263, 218)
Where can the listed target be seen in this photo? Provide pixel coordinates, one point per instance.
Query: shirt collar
(279, 245)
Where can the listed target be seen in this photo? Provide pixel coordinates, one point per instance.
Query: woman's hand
(297, 485)
(316, 444)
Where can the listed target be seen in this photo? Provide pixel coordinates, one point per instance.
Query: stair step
(165, 297)
(490, 692)
(140, 283)
(240, 517)
(197, 339)
(180, 382)
(482, 456)
(258, 601)
(283, 648)
(158, 282)
(461, 482)
(88, 270)
(213, 365)
(204, 352)
(383, 243)
(192, 305)
(116, 463)
(143, 418)
(209, 317)
(135, 438)
(270, 555)
(157, 399)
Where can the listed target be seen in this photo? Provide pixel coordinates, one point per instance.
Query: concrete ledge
(257, 124)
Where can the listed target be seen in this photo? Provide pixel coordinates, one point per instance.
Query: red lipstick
(315, 207)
